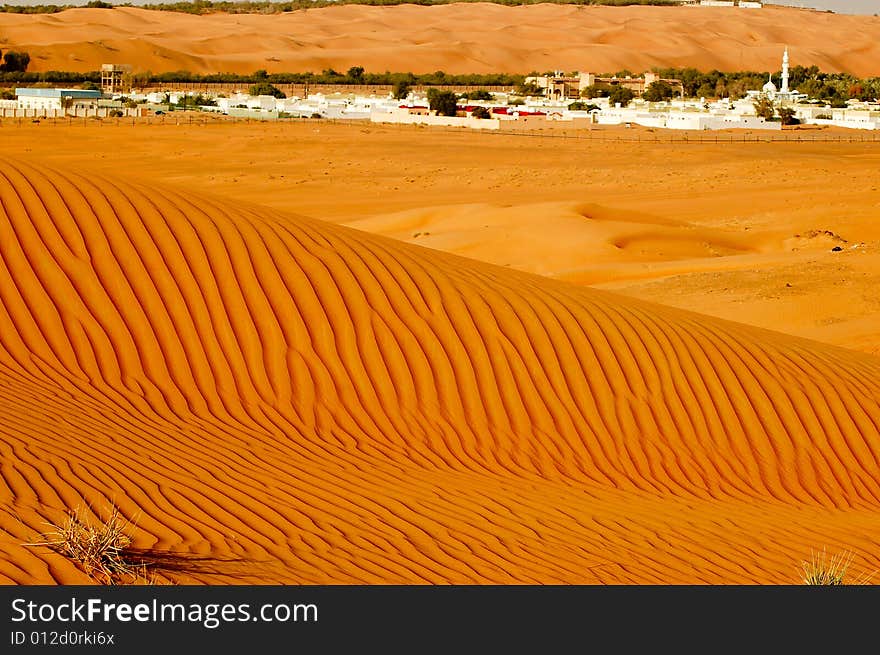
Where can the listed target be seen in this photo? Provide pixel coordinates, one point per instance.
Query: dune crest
(278, 399)
(455, 38)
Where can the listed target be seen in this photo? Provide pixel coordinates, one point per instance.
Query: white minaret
(784, 88)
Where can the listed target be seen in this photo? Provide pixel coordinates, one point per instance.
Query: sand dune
(278, 399)
(584, 242)
(456, 38)
(525, 201)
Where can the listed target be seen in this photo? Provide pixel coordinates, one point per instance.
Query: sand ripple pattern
(276, 399)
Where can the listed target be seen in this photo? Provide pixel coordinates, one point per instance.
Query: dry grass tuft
(99, 548)
(821, 571)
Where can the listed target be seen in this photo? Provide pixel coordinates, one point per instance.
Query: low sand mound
(583, 242)
(276, 399)
(455, 38)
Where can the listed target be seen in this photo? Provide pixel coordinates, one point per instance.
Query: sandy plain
(192, 329)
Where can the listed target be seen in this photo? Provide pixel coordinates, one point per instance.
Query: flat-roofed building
(55, 99)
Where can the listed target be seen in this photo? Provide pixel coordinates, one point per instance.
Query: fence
(61, 114)
(595, 134)
(301, 90)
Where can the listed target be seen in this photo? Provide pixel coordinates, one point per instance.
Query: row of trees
(614, 92)
(354, 75)
(834, 88)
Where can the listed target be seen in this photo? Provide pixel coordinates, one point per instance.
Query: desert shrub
(822, 571)
(481, 112)
(99, 548)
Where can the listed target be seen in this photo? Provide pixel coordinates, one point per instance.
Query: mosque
(783, 93)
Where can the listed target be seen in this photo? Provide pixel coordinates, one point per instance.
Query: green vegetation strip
(834, 88)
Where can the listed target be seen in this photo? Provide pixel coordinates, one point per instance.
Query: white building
(54, 100)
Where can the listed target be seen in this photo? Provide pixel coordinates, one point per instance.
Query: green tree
(140, 80)
(787, 116)
(481, 112)
(620, 94)
(764, 107)
(15, 62)
(356, 74)
(266, 89)
(596, 91)
(706, 90)
(445, 103)
(401, 89)
(582, 106)
(658, 91)
(479, 94)
(530, 89)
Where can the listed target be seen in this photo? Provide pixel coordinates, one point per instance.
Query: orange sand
(706, 227)
(279, 399)
(457, 38)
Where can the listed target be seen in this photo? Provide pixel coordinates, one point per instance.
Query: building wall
(448, 121)
(39, 103)
(683, 120)
(80, 111)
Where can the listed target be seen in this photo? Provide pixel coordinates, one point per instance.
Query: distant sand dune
(277, 399)
(456, 38)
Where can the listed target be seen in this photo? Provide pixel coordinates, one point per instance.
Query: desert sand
(740, 231)
(275, 398)
(457, 38)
